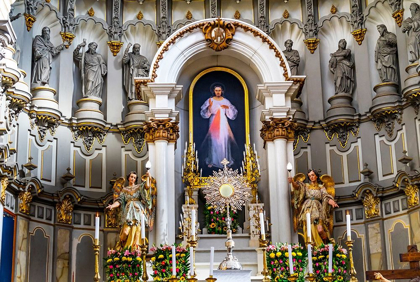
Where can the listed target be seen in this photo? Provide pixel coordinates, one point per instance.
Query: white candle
(330, 257)
(173, 261)
(193, 222)
(289, 249)
(188, 200)
(310, 269)
(97, 226)
(262, 223)
(211, 260)
(348, 226)
(191, 261)
(201, 172)
(143, 228)
(254, 149)
(308, 226)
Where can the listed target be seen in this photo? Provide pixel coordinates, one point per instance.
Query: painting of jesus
(218, 98)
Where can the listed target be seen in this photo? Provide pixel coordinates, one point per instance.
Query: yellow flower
(314, 258)
(209, 207)
(272, 255)
(108, 261)
(119, 280)
(182, 255)
(116, 259)
(139, 258)
(278, 254)
(277, 278)
(170, 255)
(126, 280)
(293, 254)
(343, 256)
(157, 278)
(321, 257)
(286, 254)
(182, 278)
(160, 257)
(299, 254)
(177, 255)
(153, 259)
(129, 259)
(213, 225)
(124, 259)
(338, 255)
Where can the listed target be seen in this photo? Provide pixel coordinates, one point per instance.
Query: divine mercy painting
(219, 115)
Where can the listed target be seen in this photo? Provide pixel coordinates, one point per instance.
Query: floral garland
(162, 262)
(278, 262)
(215, 220)
(340, 262)
(123, 266)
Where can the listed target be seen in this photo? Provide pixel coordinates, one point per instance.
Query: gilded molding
(115, 46)
(278, 128)
(371, 204)
(301, 132)
(136, 135)
(387, 118)
(88, 134)
(25, 198)
(44, 123)
(29, 20)
(4, 183)
(65, 210)
(161, 129)
(342, 131)
(67, 37)
(311, 44)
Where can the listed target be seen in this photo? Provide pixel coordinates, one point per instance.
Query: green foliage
(340, 262)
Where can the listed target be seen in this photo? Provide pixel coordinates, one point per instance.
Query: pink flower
(163, 270)
(211, 212)
(343, 262)
(155, 272)
(109, 252)
(111, 275)
(272, 262)
(217, 212)
(136, 274)
(223, 218)
(131, 274)
(317, 272)
(177, 270)
(126, 253)
(111, 267)
(153, 249)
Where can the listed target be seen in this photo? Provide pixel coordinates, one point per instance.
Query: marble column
(163, 133)
(278, 133)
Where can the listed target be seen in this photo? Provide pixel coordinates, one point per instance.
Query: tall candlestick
(211, 260)
(193, 222)
(310, 269)
(173, 261)
(262, 223)
(191, 261)
(143, 228)
(289, 249)
(330, 257)
(97, 218)
(308, 226)
(348, 225)
(188, 200)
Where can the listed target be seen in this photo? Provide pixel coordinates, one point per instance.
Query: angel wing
(118, 186)
(300, 177)
(329, 184)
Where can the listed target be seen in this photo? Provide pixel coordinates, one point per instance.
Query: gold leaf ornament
(333, 9)
(237, 15)
(91, 12)
(140, 16)
(286, 14)
(188, 16)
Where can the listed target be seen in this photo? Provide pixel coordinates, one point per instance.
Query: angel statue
(317, 198)
(134, 200)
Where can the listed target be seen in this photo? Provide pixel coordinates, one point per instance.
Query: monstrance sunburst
(227, 188)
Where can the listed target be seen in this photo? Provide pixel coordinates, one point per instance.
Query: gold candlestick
(293, 277)
(263, 245)
(143, 247)
(329, 277)
(173, 279)
(96, 247)
(310, 277)
(193, 279)
(211, 279)
(353, 273)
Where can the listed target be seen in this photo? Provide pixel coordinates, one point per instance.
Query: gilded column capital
(371, 204)
(276, 128)
(65, 210)
(25, 198)
(161, 129)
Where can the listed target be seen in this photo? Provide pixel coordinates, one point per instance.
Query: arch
(250, 44)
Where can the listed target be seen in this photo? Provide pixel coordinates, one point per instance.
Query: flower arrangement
(278, 262)
(162, 262)
(340, 262)
(215, 220)
(123, 266)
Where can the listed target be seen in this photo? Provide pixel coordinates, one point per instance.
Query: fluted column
(277, 133)
(163, 133)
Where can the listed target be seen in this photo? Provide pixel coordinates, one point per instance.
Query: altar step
(217, 241)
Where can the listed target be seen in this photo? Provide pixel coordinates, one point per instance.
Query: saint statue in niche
(218, 110)
(134, 200)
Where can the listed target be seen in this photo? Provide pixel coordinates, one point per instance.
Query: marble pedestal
(386, 96)
(232, 275)
(43, 98)
(89, 109)
(136, 112)
(341, 106)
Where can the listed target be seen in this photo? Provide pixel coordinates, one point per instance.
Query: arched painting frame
(236, 91)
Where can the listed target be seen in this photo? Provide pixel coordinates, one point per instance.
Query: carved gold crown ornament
(219, 34)
(115, 46)
(25, 198)
(359, 35)
(371, 204)
(412, 193)
(65, 210)
(29, 20)
(398, 16)
(311, 44)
